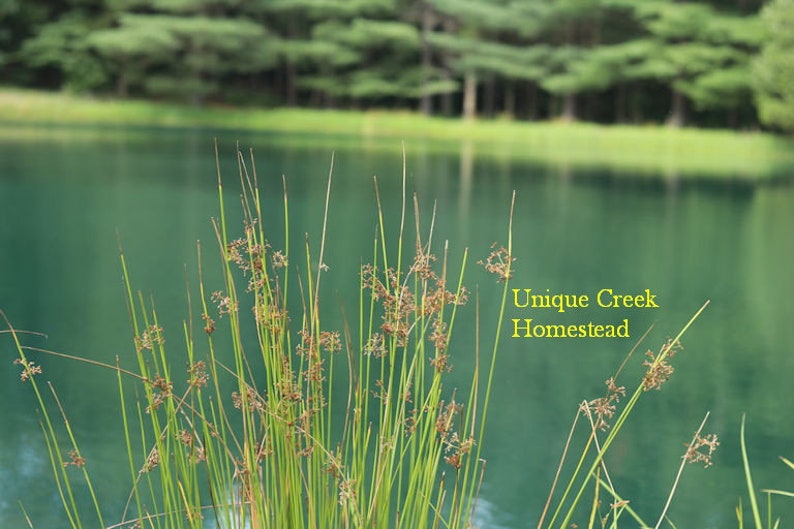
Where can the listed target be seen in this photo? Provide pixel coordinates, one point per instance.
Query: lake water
(67, 196)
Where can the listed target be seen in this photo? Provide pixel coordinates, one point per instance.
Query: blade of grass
(749, 478)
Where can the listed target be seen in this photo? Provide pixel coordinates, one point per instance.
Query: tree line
(706, 63)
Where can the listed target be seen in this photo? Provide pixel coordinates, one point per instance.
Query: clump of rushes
(604, 422)
(255, 433)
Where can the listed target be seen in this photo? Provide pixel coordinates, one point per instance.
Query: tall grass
(278, 420)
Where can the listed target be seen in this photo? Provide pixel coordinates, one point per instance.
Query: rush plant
(278, 420)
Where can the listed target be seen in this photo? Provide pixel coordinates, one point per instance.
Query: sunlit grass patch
(628, 151)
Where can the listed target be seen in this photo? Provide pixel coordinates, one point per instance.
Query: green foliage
(322, 9)
(726, 88)
(363, 33)
(524, 56)
(493, 17)
(350, 50)
(206, 49)
(774, 68)
(312, 52)
(698, 52)
(130, 48)
(61, 46)
(573, 70)
(511, 62)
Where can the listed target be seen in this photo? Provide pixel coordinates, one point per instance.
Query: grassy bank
(648, 151)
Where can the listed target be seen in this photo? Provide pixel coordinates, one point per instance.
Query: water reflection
(23, 466)
(486, 514)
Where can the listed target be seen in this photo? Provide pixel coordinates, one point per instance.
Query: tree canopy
(707, 63)
(774, 68)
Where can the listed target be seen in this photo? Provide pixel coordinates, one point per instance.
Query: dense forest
(715, 63)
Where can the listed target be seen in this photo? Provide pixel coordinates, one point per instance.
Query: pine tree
(181, 48)
(480, 41)
(703, 56)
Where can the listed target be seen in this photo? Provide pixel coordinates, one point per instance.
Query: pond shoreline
(636, 152)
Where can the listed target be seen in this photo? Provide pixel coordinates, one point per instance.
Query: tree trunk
(568, 107)
(469, 96)
(677, 115)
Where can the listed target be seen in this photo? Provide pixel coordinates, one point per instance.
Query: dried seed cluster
(701, 449)
(604, 408)
(659, 369)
